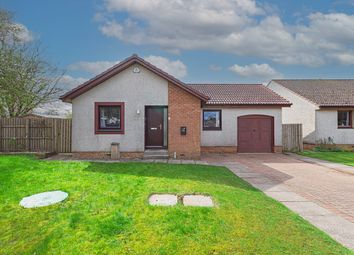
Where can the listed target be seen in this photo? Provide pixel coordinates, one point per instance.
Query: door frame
(251, 116)
(163, 127)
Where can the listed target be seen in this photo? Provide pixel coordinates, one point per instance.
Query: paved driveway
(320, 194)
(330, 188)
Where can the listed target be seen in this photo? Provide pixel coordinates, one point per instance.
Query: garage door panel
(245, 128)
(255, 133)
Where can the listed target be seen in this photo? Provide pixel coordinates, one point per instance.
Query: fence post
(55, 141)
(301, 140)
(27, 134)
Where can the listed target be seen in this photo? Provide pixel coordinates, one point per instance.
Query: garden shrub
(327, 144)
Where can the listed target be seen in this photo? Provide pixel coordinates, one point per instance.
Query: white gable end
(136, 88)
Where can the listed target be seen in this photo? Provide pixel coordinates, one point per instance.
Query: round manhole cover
(43, 199)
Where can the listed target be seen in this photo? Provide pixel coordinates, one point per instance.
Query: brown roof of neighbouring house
(239, 94)
(67, 97)
(324, 93)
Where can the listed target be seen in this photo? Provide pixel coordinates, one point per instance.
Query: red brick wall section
(184, 110)
(278, 149)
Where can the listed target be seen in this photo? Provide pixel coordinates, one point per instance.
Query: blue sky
(197, 41)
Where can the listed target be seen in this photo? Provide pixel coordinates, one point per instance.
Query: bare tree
(26, 80)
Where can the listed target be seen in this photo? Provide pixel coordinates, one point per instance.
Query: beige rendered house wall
(136, 90)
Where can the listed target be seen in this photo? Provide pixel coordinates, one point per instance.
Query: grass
(107, 212)
(343, 157)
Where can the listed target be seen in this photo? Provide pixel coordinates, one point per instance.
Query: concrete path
(321, 195)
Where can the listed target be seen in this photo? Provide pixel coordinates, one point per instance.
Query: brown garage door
(255, 133)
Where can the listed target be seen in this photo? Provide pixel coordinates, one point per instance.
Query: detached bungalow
(142, 108)
(323, 107)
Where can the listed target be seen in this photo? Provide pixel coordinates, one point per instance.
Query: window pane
(109, 117)
(211, 119)
(343, 119)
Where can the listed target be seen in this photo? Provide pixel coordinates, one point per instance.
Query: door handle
(153, 128)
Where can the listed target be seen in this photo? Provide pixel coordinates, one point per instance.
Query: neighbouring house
(142, 107)
(323, 107)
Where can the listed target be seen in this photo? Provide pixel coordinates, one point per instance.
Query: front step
(156, 154)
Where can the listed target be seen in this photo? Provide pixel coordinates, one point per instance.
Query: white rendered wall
(326, 123)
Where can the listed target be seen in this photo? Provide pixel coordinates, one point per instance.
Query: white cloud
(177, 21)
(92, 67)
(255, 70)
(344, 58)
(68, 82)
(24, 35)
(175, 68)
(241, 27)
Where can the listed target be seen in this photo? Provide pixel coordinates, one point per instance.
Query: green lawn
(345, 157)
(107, 212)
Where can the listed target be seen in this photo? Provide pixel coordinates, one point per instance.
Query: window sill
(212, 129)
(109, 132)
(345, 127)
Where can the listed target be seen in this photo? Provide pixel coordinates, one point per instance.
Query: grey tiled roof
(329, 93)
(239, 94)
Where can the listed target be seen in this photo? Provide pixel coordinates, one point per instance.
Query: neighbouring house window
(211, 119)
(344, 119)
(109, 118)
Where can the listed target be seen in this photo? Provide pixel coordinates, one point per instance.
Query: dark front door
(154, 127)
(255, 133)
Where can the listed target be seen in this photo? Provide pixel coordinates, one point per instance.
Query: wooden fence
(35, 135)
(292, 137)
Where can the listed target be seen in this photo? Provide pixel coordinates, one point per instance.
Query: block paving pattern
(327, 187)
(322, 195)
